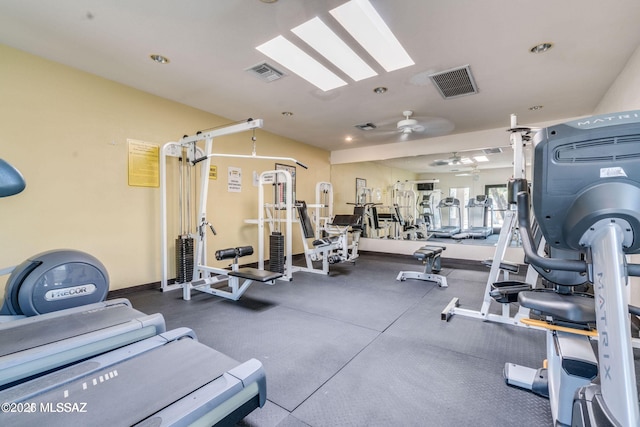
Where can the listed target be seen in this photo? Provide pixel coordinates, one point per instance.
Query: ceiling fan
(408, 128)
(455, 159)
(407, 125)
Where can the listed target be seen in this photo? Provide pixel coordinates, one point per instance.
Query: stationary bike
(586, 200)
(52, 280)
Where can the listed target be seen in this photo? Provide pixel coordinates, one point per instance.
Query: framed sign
(360, 183)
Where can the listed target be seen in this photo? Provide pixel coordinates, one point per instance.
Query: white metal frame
(323, 207)
(265, 217)
(509, 227)
(203, 276)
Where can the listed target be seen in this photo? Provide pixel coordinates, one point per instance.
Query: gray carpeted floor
(358, 348)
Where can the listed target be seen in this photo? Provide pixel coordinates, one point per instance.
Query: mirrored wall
(406, 198)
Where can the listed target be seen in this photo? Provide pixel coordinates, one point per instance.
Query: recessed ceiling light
(481, 158)
(536, 107)
(348, 139)
(540, 48)
(287, 113)
(299, 62)
(380, 90)
(159, 59)
(365, 25)
(320, 37)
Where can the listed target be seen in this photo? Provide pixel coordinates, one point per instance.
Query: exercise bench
(233, 276)
(430, 257)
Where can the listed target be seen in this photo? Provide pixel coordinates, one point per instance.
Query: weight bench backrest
(346, 220)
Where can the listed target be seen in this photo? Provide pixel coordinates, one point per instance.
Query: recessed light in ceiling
(536, 108)
(287, 113)
(348, 139)
(380, 90)
(159, 58)
(540, 48)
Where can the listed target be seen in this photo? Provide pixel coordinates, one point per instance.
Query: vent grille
(599, 150)
(266, 72)
(496, 150)
(366, 126)
(454, 82)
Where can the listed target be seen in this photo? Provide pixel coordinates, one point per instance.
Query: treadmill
(480, 218)
(36, 345)
(167, 380)
(452, 206)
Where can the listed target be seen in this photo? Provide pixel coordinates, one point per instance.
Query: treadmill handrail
(532, 256)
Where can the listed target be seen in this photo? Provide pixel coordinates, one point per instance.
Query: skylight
(320, 37)
(295, 59)
(365, 25)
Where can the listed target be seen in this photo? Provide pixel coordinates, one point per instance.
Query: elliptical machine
(586, 201)
(52, 280)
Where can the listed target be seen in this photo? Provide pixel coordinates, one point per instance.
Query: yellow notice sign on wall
(213, 172)
(143, 164)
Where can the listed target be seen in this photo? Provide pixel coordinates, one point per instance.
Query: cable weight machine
(192, 273)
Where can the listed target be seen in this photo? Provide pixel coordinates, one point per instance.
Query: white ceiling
(211, 44)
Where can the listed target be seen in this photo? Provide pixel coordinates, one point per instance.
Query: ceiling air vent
(366, 126)
(265, 72)
(496, 150)
(454, 82)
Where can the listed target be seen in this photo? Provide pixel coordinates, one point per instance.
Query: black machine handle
(524, 223)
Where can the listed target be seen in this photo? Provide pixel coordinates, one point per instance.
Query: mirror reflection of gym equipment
(479, 218)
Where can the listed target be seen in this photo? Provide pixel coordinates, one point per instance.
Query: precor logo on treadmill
(73, 292)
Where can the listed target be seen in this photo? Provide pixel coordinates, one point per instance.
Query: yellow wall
(67, 132)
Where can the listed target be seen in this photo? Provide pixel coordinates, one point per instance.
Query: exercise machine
(499, 288)
(335, 247)
(11, 180)
(35, 345)
(451, 206)
(52, 280)
(586, 200)
(105, 363)
(196, 274)
(322, 208)
(143, 384)
(430, 257)
(344, 232)
(237, 279)
(480, 219)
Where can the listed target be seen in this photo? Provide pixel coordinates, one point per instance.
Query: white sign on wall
(234, 180)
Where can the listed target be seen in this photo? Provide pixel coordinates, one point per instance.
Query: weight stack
(184, 259)
(276, 252)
